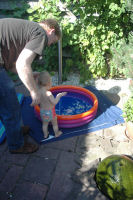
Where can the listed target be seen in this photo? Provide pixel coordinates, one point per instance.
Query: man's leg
(10, 113)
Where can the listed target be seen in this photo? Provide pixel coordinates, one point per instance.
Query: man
(20, 42)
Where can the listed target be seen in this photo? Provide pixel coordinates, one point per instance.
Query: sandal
(27, 148)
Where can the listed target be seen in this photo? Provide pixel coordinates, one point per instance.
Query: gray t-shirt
(17, 34)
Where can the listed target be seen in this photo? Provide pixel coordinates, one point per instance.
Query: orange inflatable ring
(68, 121)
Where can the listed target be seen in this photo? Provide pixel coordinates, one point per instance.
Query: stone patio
(62, 170)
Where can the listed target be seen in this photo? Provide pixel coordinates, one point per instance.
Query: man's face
(52, 38)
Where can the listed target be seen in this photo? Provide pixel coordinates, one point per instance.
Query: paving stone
(66, 163)
(67, 144)
(116, 133)
(92, 155)
(114, 143)
(105, 144)
(90, 193)
(124, 148)
(4, 168)
(85, 168)
(75, 192)
(39, 170)
(47, 153)
(9, 181)
(29, 191)
(88, 141)
(86, 158)
(19, 159)
(4, 195)
(62, 184)
(85, 178)
(100, 153)
(98, 133)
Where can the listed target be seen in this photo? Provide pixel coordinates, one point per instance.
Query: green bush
(15, 10)
(122, 58)
(93, 35)
(122, 53)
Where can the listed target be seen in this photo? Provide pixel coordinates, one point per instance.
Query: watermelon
(114, 177)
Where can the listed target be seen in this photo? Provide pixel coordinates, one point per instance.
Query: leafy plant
(128, 110)
(97, 31)
(122, 56)
(17, 9)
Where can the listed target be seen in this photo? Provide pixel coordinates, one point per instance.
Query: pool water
(72, 104)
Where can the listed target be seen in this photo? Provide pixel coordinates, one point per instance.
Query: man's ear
(51, 31)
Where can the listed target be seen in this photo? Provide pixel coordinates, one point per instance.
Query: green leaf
(103, 37)
(121, 34)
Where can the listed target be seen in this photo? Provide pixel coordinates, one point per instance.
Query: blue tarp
(108, 115)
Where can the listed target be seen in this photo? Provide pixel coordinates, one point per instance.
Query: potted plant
(128, 116)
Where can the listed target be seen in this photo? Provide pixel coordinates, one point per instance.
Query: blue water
(72, 104)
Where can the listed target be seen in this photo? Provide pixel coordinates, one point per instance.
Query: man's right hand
(35, 98)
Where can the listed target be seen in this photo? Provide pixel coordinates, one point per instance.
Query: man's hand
(35, 98)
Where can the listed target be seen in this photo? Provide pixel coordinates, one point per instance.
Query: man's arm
(25, 73)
